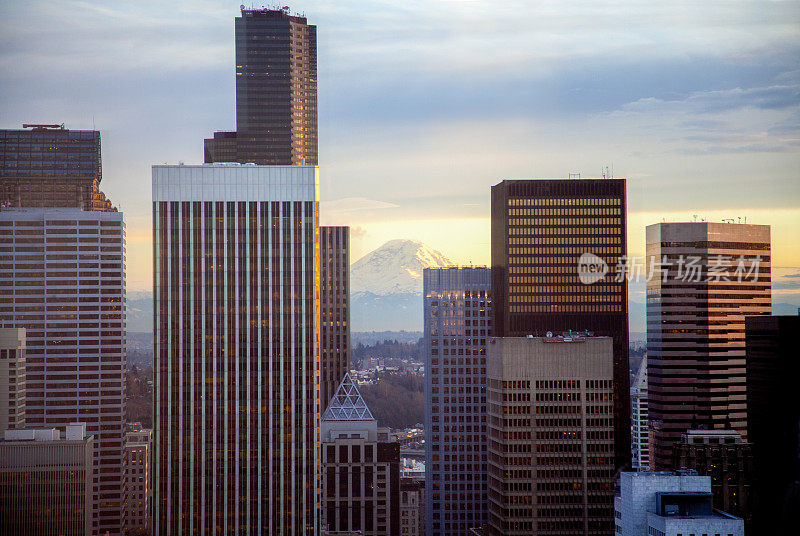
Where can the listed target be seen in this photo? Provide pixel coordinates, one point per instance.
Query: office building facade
(334, 308)
(722, 455)
(138, 482)
(236, 348)
(558, 246)
(12, 378)
(706, 278)
(360, 468)
(46, 482)
(457, 315)
(773, 422)
(551, 435)
(276, 92)
(62, 278)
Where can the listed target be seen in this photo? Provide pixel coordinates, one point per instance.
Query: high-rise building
(722, 455)
(46, 482)
(138, 482)
(457, 313)
(236, 349)
(558, 247)
(62, 278)
(551, 435)
(360, 468)
(49, 166)
(669, 504)
(334, 308)
(12, 378)
(773, 422)
(276, 92)
(705, 279)
(640, 431)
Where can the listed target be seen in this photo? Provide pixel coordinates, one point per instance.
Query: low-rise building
(360, 468)
(46, 482)
(138, 490)
(412, 506)
(669, 503)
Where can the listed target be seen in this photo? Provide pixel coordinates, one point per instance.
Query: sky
(424, 105)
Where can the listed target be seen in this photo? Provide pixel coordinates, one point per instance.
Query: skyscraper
(546, 235)
(62, 277)
(551, 436)
(706, 278)
(457, 308)
(334, 308)
(276, 92)
(773, 421)
(236, 349)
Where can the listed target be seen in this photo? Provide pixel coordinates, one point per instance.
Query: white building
(670, 504)
(236, 384)
(640, 431)
(12, 378)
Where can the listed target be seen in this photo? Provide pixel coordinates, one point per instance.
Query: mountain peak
(395, 267)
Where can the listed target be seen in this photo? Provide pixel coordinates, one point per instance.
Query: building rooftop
(347, 404)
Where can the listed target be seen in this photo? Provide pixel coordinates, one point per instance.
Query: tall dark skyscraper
(773, 421)
(236, 350)
(696, 309)
(62, 278)
(276, 92)
(543, 232)
(334, 309)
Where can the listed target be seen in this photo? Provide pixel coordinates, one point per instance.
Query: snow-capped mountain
(395, 268)
(386, 286)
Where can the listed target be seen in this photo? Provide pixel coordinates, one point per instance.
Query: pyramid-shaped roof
(347, 404)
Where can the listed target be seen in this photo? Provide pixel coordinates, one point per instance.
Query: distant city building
(360, 468)
(334, 307)
(457, 313)
(558, 254)
(670, 504)
(708, 277)
(551, 435)
(138, 482)
(46, 166)
(12, 378)
(63, 279)
(236, 441)
(46, 482)
(276, 92)
(412, 506)
(640, 431)
(773, 422)
(722, 455)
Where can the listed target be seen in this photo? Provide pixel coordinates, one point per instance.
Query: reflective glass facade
(334, 308)
(276, 92)
(457, 309)
(50, 166)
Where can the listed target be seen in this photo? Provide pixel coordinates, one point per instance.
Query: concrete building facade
(46, 482)
(12, 378)
(236, 349)
(551, 435)
(670, 504)
(707, 278)
(640, 431)
(138, 482)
